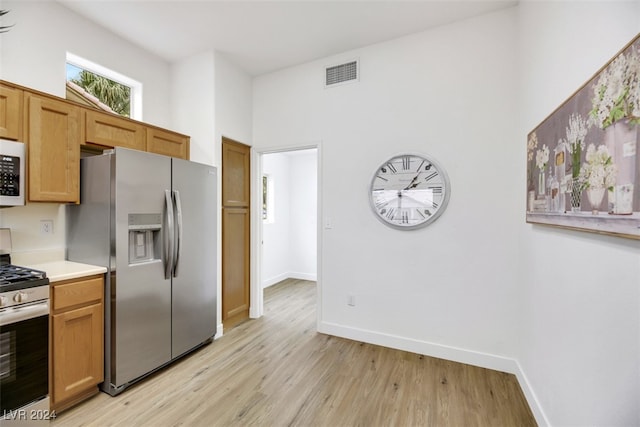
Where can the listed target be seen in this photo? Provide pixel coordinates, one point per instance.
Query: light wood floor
(278, 371)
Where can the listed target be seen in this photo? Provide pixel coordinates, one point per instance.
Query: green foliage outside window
(117, 96)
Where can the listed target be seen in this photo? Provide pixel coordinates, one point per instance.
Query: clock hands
(413, 183)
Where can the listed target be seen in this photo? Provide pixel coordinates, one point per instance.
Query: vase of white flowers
(574, 144)
(598, 174)
(616, 110)
(542, 158)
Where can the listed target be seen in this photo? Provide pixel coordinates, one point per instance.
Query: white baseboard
(219, 332)
(275, 279)
(469, 357)
(532, 398)
(303, 276)
(288, 275)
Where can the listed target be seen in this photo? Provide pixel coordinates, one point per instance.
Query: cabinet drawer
(77, 292)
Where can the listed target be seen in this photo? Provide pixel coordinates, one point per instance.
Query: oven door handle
(11, 315)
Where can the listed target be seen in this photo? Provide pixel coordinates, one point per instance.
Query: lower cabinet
(77, 340)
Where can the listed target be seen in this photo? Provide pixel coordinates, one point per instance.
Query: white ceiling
(263, 36)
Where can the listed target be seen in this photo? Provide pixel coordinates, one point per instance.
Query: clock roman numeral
(420, 213)
(391, 213)
(382, 178)
(382, 204)
(405, 217)
(436, 189)
(406, 163)
(392, 168)
(420, 167)
(431, 176)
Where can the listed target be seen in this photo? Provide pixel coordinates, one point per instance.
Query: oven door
(24, 355)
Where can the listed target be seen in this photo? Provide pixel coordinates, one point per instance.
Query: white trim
(219, 332)
(532, 398)
(288, 275)
(275, 279)
(136, 86)
(455, 354)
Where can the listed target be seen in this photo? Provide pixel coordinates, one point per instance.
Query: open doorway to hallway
(289, 208)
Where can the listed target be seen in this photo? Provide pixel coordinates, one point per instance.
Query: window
(267, 199)
(96, 86)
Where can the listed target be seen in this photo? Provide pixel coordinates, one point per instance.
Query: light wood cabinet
(168, 143)
(54, 129)
(77, 340)
(53, 138)
(10, 113)
(110, 130)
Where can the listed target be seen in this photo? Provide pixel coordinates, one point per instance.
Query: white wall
(234, 100)
(450, 289)
(580, 298)
(289, 247)
(193, 106)
(276, 247)
(304, 213)
(33, 54)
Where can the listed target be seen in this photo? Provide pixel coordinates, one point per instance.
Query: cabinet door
(53, 141)
(10, 113)
(110, 130)
(77, 351)
(167, 143)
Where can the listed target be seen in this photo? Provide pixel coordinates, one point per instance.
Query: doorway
(288, 217)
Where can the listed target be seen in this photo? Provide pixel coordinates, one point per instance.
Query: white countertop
(65, 270)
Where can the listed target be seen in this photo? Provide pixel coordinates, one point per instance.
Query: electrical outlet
(46, 226)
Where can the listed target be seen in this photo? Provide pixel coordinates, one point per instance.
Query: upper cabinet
(110, 130)
(10, 113)
(167, 143)
(53, 136)
(54, 130)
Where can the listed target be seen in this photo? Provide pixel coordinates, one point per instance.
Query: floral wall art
(583, 170)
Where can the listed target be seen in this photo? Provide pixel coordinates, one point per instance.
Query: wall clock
(409, 191)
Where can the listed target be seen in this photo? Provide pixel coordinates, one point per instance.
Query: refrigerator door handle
(168, 237)
(178, 248)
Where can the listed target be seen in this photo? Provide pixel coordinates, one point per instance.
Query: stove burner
(13, 277)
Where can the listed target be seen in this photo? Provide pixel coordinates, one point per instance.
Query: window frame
(135, 102)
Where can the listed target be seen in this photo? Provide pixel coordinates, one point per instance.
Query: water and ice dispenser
(145, 238)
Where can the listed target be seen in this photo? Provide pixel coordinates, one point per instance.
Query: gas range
(21, 285)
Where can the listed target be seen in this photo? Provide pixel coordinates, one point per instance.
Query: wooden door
(235, 232)
(53, 141)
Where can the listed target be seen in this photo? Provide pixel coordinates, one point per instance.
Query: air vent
(343, 73)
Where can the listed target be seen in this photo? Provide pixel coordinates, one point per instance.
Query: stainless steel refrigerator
(151, 221)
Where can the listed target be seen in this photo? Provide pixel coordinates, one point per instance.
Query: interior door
(235, 231)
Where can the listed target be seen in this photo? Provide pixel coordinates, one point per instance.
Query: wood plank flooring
(278, 371)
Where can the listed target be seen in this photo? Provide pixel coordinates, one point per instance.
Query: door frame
(256, 308)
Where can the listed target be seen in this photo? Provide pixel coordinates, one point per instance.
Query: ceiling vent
(343, 73)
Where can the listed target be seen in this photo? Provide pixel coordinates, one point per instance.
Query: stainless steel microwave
(12, 175)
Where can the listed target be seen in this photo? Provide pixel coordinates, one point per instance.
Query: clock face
(409, 191)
